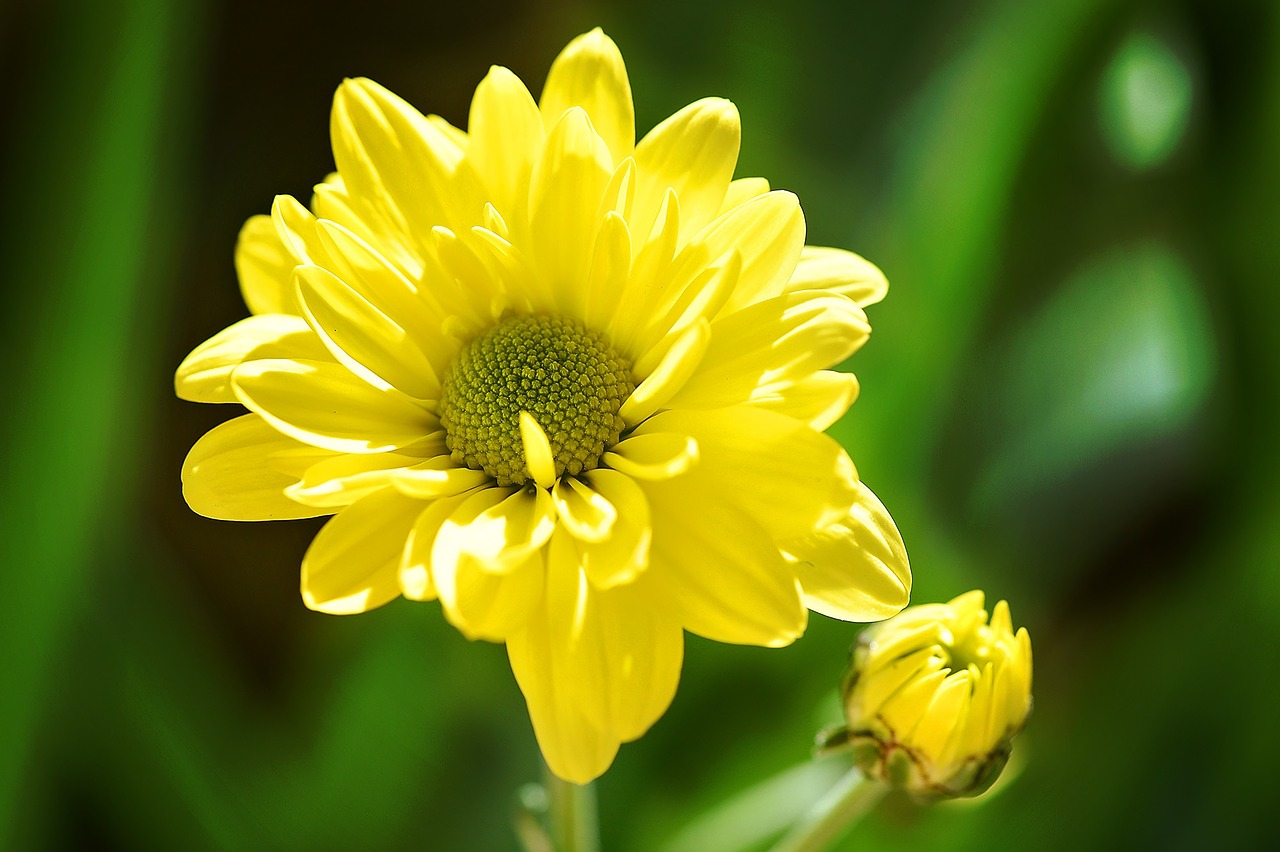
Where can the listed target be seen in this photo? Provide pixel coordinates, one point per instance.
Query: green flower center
(567, 376)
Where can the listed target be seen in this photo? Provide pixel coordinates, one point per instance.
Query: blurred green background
(1070, 401)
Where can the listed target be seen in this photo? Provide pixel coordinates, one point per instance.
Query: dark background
(1070, 401)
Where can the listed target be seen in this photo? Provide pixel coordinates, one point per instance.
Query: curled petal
(497, 529)
(856, 569)
(653, 455)
(839, 271)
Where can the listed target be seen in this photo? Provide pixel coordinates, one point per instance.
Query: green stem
(574, 824)
(849, 800)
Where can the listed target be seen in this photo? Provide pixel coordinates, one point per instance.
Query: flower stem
(852, 797)
(574, 823)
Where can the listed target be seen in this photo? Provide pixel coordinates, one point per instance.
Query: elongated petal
(353, 565)
(438, 477)
(857, 569)
(787, 477)
(841, 272)
(653, 455)
(768, 231)
(205, 374)
(239, 472)
(506, 137)
(610, 267)
(589, 73)
(264, 266)
(677, 366)
(819, 400)
(596, 667)
(363, 338)
(727, 587)
(344, 479)
(564, 197)
(325, 405)
(742, 190)
(773, 343)
(389, 152)
(693, 152)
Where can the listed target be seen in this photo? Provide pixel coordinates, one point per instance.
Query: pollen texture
(565, 375)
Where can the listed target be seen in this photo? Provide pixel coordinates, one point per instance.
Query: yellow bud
(935, 695)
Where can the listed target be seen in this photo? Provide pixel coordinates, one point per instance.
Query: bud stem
(852, 797)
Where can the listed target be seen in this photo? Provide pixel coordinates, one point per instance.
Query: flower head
(571, 385)
(935, 695)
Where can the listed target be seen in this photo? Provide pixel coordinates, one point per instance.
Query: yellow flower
(935, 695)
(571, 385)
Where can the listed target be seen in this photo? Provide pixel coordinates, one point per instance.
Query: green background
(1069, 400)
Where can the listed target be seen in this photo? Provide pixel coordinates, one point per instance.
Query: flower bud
(935, 695)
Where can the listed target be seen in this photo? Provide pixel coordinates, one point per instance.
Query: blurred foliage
(1070, 400)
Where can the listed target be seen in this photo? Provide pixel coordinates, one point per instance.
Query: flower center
(567, 376)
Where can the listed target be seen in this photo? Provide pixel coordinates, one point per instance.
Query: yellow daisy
(571, 385)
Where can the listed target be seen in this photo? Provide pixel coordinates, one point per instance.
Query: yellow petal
(264, 266)
(438, 477)
(388, 151)
(537, 451)
(325, 405)
(363, 338)
(596, 667)
(344, 479)
(653, 455)
(650, 276)
(483, 604)
(353, 565)
(239, 471)
(693, 152)
(296, 228)
(761, 349)
(769, 232)
(948, 709)
(362, 217)
(589, 73)
(205, 374)
(506, 137)
(564, 196)
(415, 561)
(497, 529)
(819, 400)
(742, 190)
(878, 687)
(610, 268)
(724, 578)
(621, 556)
(857, 569)
(841, 272)
(787, 477)
(679, 363)
(376, 279)
(583, 511)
